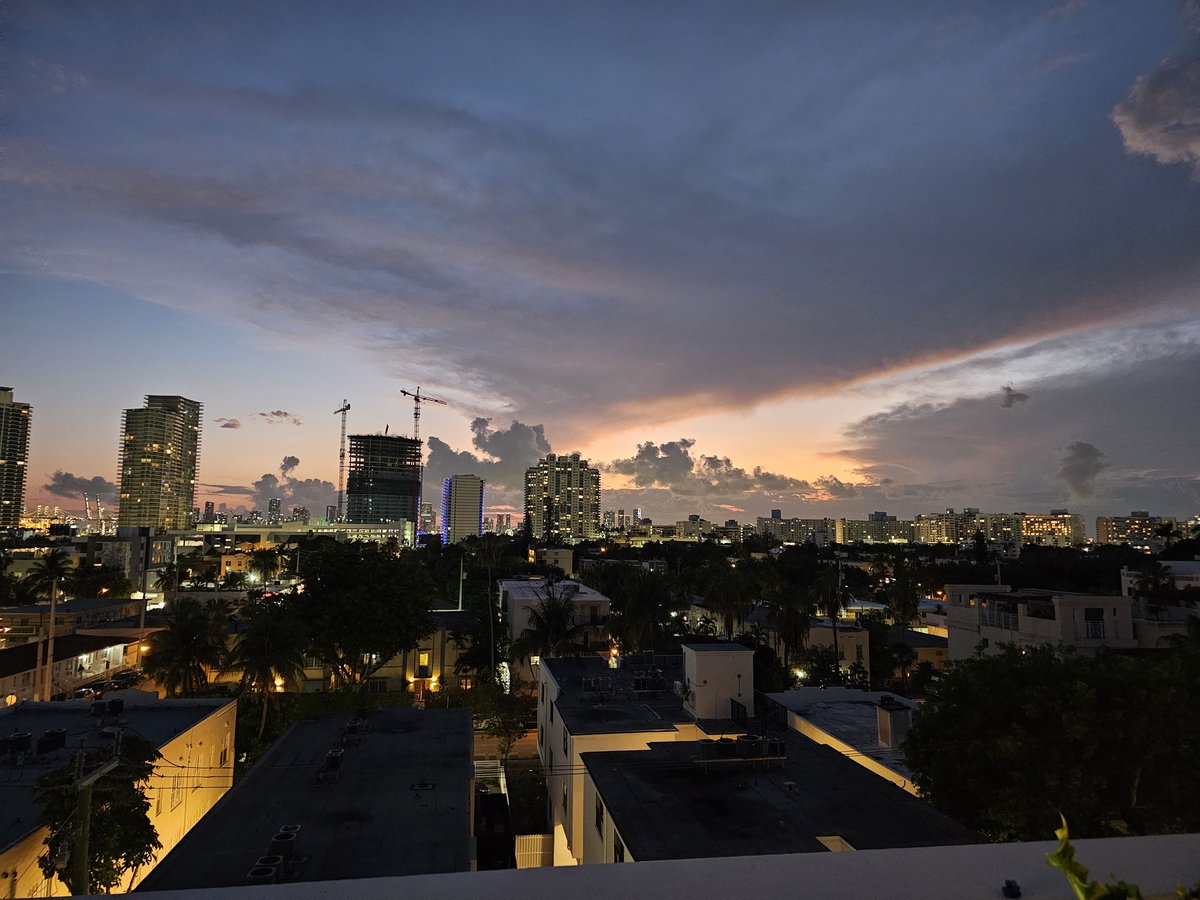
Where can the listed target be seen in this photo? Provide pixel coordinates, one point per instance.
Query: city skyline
(810, 260)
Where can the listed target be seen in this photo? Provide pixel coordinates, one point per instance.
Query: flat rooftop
(24, 657)
(667, 806)
(156, 720)
(620, 706)
(402, 805)
(76, 607)
(850, 716)
(534, 589)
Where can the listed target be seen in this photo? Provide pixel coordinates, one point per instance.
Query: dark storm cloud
(66, 484)
(965, 452)
(611, 178)
(289, 463)
(672, 466)
(229, 423)
(1081, 464)
(504, 455)
(279, 417)
(208, 488)
(1009, 397)
(1161, 116)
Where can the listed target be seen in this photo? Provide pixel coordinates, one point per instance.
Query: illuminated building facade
(562, 500)
(462, 507)
(160, 452)
(14, 456)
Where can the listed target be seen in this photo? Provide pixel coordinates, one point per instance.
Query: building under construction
(384, 483)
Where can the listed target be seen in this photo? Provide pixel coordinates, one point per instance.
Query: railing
(1094, 630)
(491, 770)
(998, 619)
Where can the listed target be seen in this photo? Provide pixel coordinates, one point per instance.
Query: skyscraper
(462, 507)
(160, 452)
(274, 510)
(384, 481)
(14, 456)
(562, 500)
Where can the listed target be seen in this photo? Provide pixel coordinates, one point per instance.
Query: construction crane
(417, 398)
(345, 408)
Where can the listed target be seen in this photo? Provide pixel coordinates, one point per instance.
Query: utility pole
(81, 850)
(49, 686)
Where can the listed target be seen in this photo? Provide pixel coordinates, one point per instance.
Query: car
(84, 693)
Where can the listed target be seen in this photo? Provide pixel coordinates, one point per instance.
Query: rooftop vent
(262, 875)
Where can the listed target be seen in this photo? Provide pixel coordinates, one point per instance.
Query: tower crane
(345, 408)
(417, 398)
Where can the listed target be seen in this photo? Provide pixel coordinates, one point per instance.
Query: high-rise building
(462, 507)
(1058, 529)
(209, 512)
(428, 524)
(1138, 529)
(331, 513)
(14, 456)
(301, 514)
(384, 481)
(562, 500)
(160, 452)
(274, 510)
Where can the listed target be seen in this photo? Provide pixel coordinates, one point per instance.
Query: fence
(534, 850)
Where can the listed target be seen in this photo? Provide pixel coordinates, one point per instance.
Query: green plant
(1076, 874)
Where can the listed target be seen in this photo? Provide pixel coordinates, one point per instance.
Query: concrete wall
(715, 676)
(195, 771)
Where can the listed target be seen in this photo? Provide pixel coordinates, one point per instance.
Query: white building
(462, 508)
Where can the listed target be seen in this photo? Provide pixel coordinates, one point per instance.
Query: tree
(1005, 743)
(180, 653)
(121, 838)
(270, 648)
(821, 667)
(552, 630)
(827, 590)
(98, 581)
(50, 571)
(363, 605)
(264, 562)
(504, 716)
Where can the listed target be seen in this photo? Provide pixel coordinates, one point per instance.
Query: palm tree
(235, 581)
(264, 562)
(270, 652)
(827, 590)
(180, 653)
(50, 570)
(552, 630)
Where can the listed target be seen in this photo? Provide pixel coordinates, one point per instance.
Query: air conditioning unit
(680, 690)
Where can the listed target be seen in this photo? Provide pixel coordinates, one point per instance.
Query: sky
(829, 257)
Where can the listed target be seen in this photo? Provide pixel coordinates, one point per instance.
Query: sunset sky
(825, 257)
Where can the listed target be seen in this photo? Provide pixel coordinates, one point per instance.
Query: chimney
(893, 718)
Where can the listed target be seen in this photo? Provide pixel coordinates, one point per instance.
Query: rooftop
(847, 715)
(667, 806)
(534, 589)
(77, 607)
(619, 704)
(24, 657)
(401, 806)
(156, 720)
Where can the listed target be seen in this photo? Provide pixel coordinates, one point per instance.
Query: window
(566, 746)
(599, 815)
(465, 682)
(858, 653)
(564, 797)
(423, 664)
(618, 848)
(176, 790)
(551, 713)
(224, 759)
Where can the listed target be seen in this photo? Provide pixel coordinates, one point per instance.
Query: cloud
(313, 493)
(1010, 397)
(502, 458)
(279, 416)
(66, 484)
(1080, 466)
(229, 423)
(672, 466)
(1161, 116)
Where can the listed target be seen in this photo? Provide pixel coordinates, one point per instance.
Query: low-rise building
(78, 661)
(989, 616)
(195, 738)
(698, 800)
(20, 624)
(385, 794)
(585, 705)
(520, 596)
